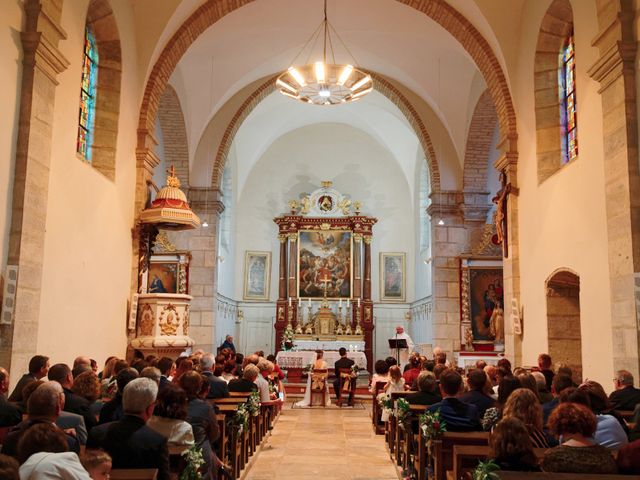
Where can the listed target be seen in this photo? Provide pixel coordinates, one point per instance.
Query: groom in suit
(343, 362)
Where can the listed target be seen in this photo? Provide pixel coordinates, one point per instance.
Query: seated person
(277, 371)
(112, 410)
(629, 458)
(574, 425)
(625, 396)
(460, 416)
(246, 383)
(427, 393)
(9, 413)
(97, 463)
(169, 416)
(318, 380)
(43, 406)
(265, 367)
(42, 450)
(477, 381)
(381, 374)
(411, 374)
(611, 431)
(525, 406)
(345, 363)
(511, 447)
(9, 468)
(129, 441)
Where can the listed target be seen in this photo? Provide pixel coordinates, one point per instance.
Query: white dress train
(306, 401)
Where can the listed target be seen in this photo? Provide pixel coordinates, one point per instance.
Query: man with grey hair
(129, 441)
(218, 388)
(626, 396)
(44, 406)
(543, 392)
(246, 383)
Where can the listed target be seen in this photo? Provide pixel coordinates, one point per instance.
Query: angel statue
(306, 205)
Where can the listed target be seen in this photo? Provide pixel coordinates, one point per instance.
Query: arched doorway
(563, 320)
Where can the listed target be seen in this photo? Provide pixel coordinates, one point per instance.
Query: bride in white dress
(319, 364)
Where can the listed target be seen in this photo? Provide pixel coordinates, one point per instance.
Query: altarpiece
(325, 262)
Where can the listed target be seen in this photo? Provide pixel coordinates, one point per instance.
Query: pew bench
(134, 474)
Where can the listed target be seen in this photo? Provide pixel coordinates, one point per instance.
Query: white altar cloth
(354, 345)
(292, 359)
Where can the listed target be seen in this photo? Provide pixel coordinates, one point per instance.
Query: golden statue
(496, 324)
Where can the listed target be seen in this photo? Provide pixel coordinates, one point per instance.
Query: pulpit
(325, 259)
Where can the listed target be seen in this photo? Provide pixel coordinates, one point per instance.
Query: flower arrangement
(402, 411)
(240, 419)
(354, 369)
(309, 368)
(486, 471)
(253, 404)
(432, 425)
(386, 404)
(287, 338)
(194, 460)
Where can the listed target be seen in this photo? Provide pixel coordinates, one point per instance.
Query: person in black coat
(427, 393)
(10, 414)
(129, 441)
(218, 388)
(38, 368)
(477, 381)
(459, 416)
(113, 410)
(245, 384)
(626, 396)
(343, 362)
(44, 406)
(73, 403)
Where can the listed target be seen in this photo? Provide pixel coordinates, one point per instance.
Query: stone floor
(323, 444)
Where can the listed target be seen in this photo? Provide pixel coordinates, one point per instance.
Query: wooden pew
(442, 453)
(467, 457)
(392, 424)
(376, 411)
(134, 474)
(412, 439)
(506, 475)
(234, 441)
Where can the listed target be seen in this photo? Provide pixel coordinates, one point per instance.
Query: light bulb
(441, 222)
(205, 224)
(324, 93)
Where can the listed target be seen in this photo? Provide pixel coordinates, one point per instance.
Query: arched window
(100, 89)
(567, 84)
(554, 81)
(86, 123)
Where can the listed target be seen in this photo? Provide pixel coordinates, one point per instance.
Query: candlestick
(289, 301)
(358, 302)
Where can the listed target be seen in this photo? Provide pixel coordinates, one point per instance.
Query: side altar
(324, 289)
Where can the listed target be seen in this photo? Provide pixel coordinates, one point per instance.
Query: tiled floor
(323, 444)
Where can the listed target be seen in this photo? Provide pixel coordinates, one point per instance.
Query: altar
(288, 359)
(324, 292)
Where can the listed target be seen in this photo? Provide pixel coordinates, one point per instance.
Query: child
(97, 463)
(395, 384)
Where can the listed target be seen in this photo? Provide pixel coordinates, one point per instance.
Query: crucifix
(325, 280)
(500, 218)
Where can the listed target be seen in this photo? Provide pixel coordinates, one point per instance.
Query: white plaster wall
(87, 254)
(10, 83)
(562, 222)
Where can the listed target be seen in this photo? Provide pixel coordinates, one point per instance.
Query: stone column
(448, 242)
(293, 287)
(42, 62)
(203, 244)
(615, 70)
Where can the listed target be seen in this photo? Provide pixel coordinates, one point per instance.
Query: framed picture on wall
(257, 271)
(481, 292)
(392, 277)
(163, 276)
(324, 263)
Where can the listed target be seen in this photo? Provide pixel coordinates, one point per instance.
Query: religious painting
(257, 271)
(392, 277)
(163, 277)
(483, 302)
(324, 264)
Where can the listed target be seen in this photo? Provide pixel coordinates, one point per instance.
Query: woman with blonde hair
(524, 405)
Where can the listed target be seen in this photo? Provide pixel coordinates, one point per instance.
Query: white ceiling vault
(385, 36)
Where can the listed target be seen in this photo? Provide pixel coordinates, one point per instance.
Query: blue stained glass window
(568, 116)
(86, 121)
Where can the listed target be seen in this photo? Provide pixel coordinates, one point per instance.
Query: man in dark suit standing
(228, 343)
(10, 414)
(38, 368)
(343, 362)
(218, 388)
(73, 403)
(129, 441)
(626, 396)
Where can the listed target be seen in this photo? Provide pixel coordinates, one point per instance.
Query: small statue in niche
(468, 338)
(496, 324)
(306, 205)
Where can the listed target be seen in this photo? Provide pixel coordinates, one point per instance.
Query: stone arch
(101, 20)
(441, 12)
(481, 129)
(556, 25)
(563, 319)
(171, 119)
(381, 84)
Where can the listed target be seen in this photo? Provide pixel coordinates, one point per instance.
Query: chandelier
(323, 83)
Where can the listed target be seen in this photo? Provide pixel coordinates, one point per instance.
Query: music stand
(397, 344)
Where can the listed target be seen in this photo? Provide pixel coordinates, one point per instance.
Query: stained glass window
(567, 83)
(86, 122)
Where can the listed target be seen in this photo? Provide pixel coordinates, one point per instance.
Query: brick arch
(101, 20)
(556, 25)
(381, 85)
(174, 132)
(483, 124)
(439, 11)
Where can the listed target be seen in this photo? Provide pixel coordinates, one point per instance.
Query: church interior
(427, 183)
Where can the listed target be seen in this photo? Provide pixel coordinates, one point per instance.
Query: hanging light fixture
(322, 83)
